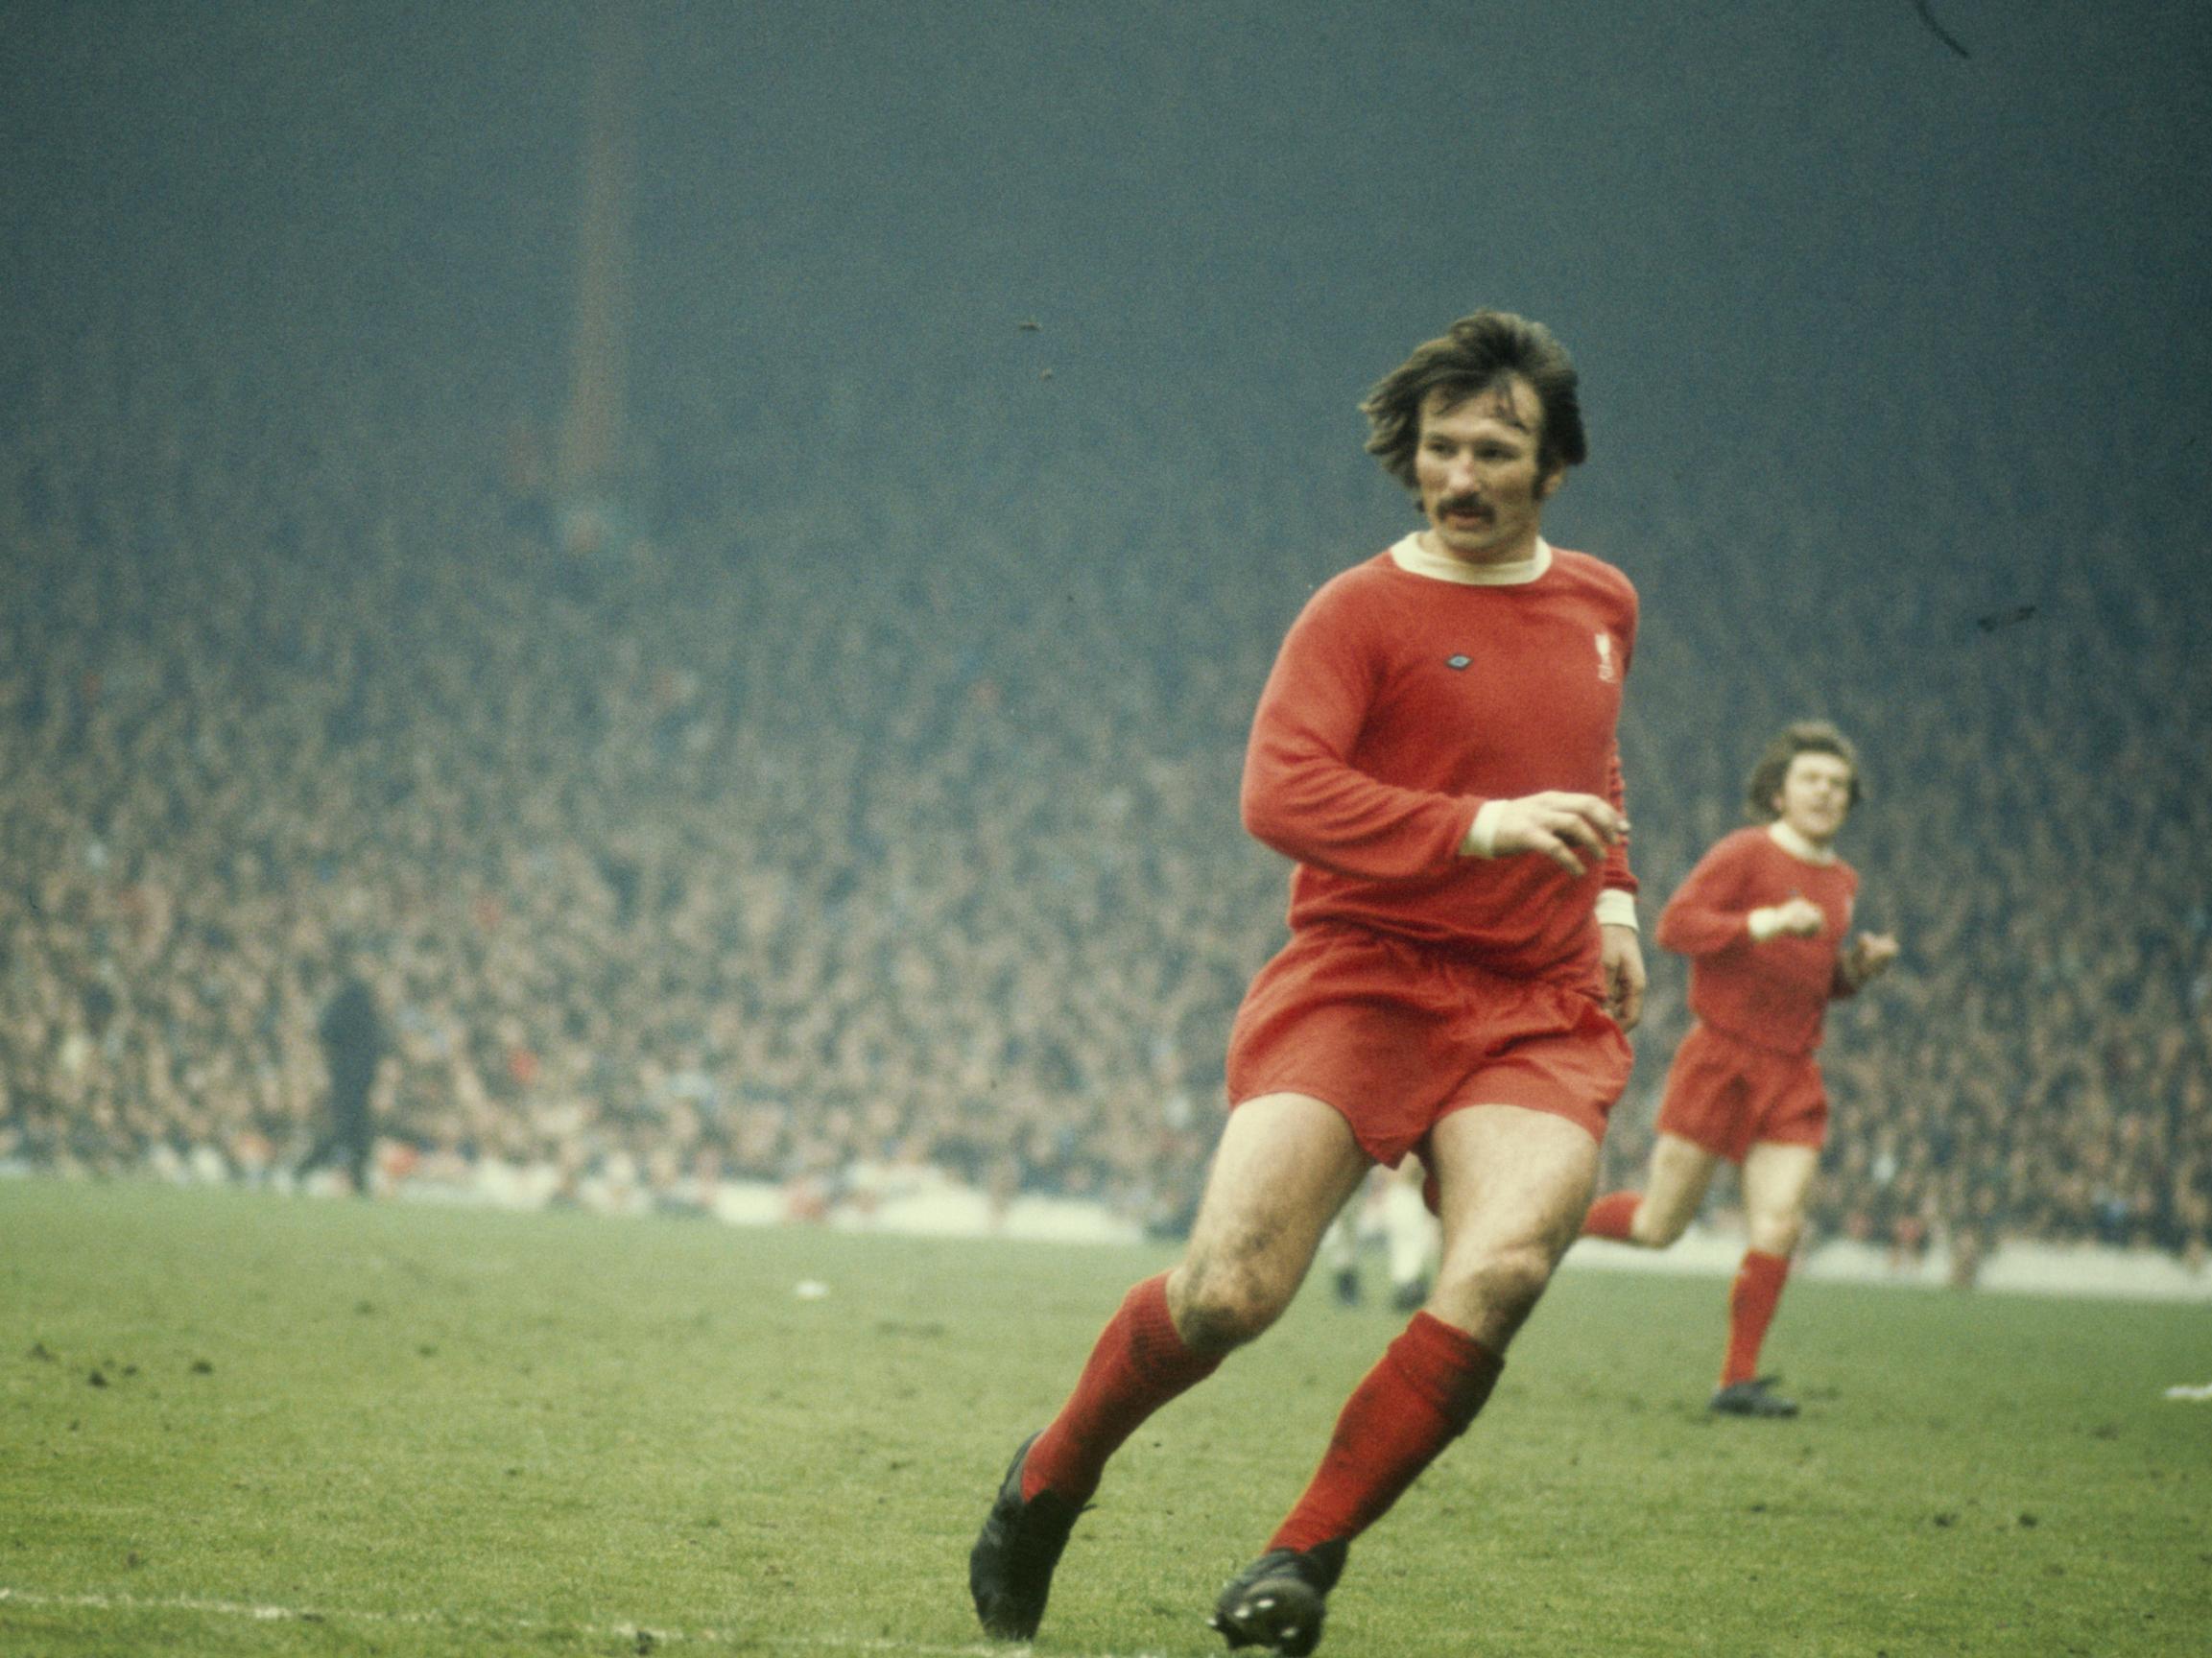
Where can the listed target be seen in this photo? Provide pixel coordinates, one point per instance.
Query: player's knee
(1654, 1228)
(1500, 1289)
(1219, 1306)
(1776, 1233)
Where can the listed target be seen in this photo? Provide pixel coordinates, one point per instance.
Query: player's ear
(1548, 484)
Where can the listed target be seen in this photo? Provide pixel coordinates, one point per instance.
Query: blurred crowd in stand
(886, 818)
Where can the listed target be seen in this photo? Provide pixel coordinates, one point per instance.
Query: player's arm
(1301, 794)
(1574, 831)
(1712, 911)
(1796, 916)
(1620, 940)
(1865, 959)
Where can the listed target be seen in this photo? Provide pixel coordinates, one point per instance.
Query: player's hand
(1801, 916)
(1571, 830)
(1622, 953)
(1869, 956)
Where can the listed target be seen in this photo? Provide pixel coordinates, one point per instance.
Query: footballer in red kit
(1766, 920)
(1434, 752)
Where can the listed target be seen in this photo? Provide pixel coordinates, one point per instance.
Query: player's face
(1475, 469)
(1816, 796)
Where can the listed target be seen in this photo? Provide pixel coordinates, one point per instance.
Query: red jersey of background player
(1351, 775)
(1771, 993)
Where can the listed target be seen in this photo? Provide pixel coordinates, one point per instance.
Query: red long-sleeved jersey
(1773, 994)
(1398, 705)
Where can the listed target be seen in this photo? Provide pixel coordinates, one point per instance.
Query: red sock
(1138, 1365)
(1611, 1215)
(1751, 1302)
(1418, 1398)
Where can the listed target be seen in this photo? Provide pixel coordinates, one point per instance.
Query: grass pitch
(235, 1424)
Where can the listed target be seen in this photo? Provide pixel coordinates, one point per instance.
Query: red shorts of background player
(1394, 1036)
(1723, 1094)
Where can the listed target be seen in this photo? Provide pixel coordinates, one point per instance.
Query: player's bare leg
(1776, 1179)
(1284, 1168)
(1675, 1187)
(1286, 1165)
(1513, 1185)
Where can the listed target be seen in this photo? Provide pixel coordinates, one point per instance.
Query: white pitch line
(514, 1626)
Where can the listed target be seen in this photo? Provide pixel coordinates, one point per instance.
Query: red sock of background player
(1611, 1215)
(1751, 1302)
(1420, 1397)
(1139, 1363)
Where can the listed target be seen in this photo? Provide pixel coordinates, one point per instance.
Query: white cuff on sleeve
(1617, 909)
(1482, 838)
(1763, 924)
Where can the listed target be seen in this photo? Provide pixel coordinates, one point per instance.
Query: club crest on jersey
(1606, 668)
(1457, 663)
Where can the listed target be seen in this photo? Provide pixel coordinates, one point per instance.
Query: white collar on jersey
(1796, 846)
(1413, 557)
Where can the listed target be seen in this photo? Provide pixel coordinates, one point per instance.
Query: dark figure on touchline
(1434, 752)
(352, 1036)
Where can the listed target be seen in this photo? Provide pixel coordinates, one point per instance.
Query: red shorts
(1724, 1095)
(1395, 1036)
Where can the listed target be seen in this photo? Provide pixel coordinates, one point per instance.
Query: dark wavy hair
(1482, 351)
(1798, 737)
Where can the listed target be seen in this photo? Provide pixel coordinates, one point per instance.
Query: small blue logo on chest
(1456, 663)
